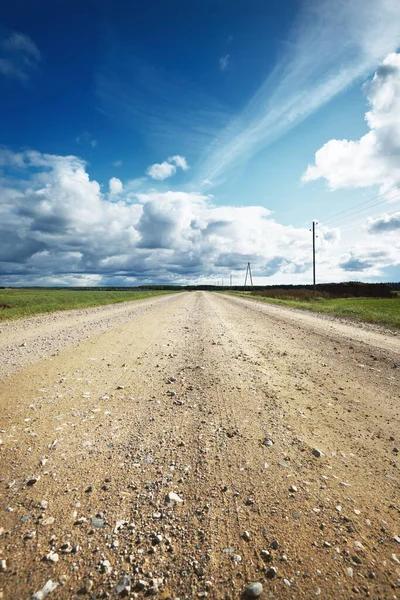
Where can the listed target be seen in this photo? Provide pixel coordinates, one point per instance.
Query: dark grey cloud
(355, 264)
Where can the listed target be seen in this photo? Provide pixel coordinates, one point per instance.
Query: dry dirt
(106, 411)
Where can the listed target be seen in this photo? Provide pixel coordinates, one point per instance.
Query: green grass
(16, 303)
(384, 311)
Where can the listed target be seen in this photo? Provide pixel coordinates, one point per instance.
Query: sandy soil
(223, 402)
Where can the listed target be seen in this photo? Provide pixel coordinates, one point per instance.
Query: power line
(361, 222)
(361, 210)
(332, 217)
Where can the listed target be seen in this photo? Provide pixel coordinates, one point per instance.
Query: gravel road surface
(191, 445)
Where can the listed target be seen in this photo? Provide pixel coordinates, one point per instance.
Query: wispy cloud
(224, 62)
(19, 56)
(313, 69)
(151, 102)
(86, 138)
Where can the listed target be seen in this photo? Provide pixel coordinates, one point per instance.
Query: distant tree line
(348, 289)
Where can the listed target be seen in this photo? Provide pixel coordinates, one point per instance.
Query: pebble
(246, 536)
(349, 571)
(253, 590)
(32, 480)
(317, 453)
(96, 522)
(105, 566)
(123, 586)
(293, 488)
(52, 557)
(49, 587)
(3, 564)
(271, 573)
(265, 555)
(275, 544)
(268, 442)
(173, 498)
(48, 521)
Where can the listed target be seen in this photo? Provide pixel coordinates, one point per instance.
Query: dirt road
(274, 435)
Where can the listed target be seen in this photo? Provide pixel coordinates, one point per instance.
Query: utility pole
(248, 272)
(230, 282)
(314, 223)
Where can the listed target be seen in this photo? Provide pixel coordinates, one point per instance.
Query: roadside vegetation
(383, 311)
(16, 303)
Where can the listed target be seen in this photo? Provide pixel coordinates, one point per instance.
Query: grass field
(16, 303)
(384, 311)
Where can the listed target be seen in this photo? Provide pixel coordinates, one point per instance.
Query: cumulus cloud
(58, 227)
(374, 158)
(19, 56)
(167, 168)
(224, 62)
(115, 186)
(386, 223)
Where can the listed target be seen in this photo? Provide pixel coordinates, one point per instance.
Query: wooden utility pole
(313, 251)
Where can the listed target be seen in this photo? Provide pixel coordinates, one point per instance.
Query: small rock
(246, 536)
(52, 557)
(349, 571)
(236, 558)
(49, 587)
(44, 504)
(32, 480)
(317, 453)
(123, 587)
(105, 566)
(293, 488)
(253, 590)
(275, 545)
(173, 498)
(3, 564)
(268, 442)
(48, 521)
(271, 573)
(98, 523)
(265, 555)
(87, 587)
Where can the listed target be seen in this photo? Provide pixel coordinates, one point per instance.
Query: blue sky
(176, 141)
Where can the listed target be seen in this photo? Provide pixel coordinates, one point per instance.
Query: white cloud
(224, 62)
(314, 68)
(19, 56)
(179, 161)
(387, 223)
(115, 185)
(117, 163)
(167, 168)
(56, 226)
(374, 159)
